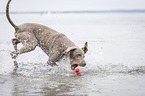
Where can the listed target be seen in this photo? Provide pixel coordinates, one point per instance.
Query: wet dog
(53, 43)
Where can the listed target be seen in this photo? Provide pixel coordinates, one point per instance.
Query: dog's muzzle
(73, 66)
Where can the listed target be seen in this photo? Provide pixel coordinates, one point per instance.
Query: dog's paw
(52, 64)
(14, 54)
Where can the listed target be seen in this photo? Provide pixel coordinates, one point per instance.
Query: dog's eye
(79, 55)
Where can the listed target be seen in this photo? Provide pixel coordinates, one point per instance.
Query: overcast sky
(52, 5)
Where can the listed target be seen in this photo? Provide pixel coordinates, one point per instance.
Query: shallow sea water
(115, 60)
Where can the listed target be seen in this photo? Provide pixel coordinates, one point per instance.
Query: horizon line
(79, 11)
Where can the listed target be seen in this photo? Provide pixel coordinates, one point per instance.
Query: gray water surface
(115, 60)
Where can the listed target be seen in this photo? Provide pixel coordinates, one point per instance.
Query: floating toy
(77, 71)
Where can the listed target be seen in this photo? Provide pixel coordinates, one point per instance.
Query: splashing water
(6, 64)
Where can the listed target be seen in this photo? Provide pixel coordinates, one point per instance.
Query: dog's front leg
(53, 58)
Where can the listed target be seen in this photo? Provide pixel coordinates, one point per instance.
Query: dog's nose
(85, 64)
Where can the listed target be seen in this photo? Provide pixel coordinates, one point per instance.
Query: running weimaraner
(54, 44)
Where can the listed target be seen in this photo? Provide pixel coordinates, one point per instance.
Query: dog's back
(35, 28)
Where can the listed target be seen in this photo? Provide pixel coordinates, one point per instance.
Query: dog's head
(77, 55)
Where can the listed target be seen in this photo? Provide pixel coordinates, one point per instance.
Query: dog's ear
(71, 52)
(85, 48)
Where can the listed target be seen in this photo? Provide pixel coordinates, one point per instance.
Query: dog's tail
(8, 17)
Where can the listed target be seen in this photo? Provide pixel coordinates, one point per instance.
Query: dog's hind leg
(29, 43)
(15, 42)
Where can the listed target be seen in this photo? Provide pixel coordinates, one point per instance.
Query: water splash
(6, 64)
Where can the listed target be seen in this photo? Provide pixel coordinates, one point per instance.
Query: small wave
(137, 70)
(117, 68)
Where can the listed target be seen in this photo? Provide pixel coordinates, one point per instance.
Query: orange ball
(77, 70)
